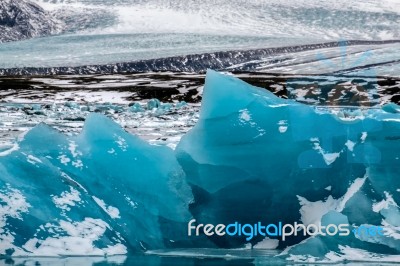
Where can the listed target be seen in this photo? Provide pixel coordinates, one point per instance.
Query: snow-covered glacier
(252, 157)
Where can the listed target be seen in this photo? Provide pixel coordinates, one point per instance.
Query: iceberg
(103, 192)
(253, 157)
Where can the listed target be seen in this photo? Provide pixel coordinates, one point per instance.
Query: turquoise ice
(255, 157)
(103, 192)
(252, 157)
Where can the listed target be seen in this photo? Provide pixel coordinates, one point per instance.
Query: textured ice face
(103, 192)
(255, 157)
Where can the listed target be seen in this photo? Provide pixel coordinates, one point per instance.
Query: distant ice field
(98, 32)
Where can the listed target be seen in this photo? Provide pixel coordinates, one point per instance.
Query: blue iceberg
(103, 192)
(251, 158)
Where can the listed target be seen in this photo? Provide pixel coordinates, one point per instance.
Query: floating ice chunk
(67, 200)
(153, 104)
(391, 108)
(181, 104)
(136, 108)
(338, 168)
(72, 105)
(163, 109)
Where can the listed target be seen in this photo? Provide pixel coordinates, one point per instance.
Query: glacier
(251, 157)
